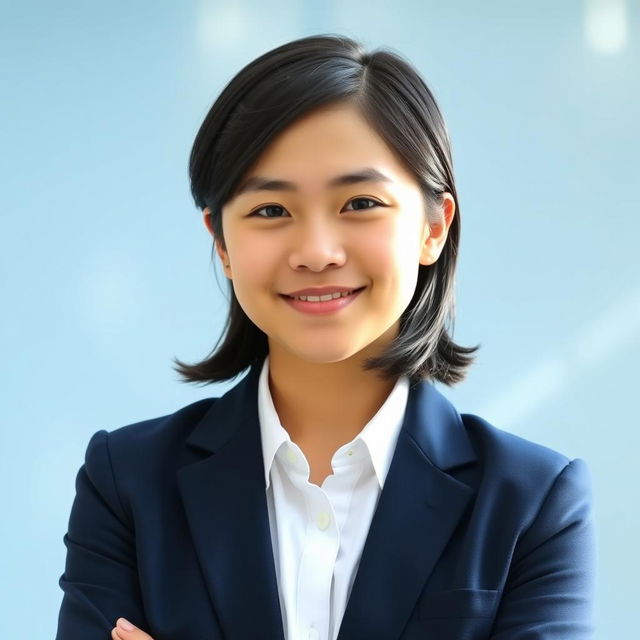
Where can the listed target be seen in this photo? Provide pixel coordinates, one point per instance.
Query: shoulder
(514, 470)
(508, 451)
(170, 429)
(137, 463)
(154, 442)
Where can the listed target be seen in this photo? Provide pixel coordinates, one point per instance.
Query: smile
(328, 296)
(328, 303)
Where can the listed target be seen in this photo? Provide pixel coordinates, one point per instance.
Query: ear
(222, 253)
(435, 235)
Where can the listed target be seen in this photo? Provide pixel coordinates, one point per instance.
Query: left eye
(374, 203)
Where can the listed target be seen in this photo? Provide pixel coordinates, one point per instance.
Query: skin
(316, 236)
(120, 633)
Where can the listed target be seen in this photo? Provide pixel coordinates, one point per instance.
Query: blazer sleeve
(550, 588)
(100, 580)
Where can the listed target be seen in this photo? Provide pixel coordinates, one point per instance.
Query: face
(370, 233)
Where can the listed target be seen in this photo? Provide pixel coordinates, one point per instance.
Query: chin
(318, 355)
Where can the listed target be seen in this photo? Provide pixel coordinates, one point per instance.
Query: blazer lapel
(420, 505)
(419, 508)
(225, 503)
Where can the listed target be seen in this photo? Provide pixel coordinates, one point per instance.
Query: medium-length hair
(255, 106)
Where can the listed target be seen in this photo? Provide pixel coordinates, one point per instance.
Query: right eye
(266, 207)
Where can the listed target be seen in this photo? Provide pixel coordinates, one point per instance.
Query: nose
(315, 246)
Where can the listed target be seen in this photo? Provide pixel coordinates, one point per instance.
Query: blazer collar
(419, 508)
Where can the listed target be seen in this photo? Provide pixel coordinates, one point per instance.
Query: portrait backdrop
(105, 264)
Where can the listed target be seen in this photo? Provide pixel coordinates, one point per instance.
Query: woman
(333, 492)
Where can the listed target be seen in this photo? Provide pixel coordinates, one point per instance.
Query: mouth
(324, 298)
(320, 306)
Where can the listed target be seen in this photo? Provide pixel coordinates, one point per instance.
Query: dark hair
(255, 106)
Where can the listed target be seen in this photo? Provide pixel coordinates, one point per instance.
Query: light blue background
(105, 262)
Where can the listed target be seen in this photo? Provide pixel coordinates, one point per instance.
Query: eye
(375, 203)
(276, 207)
(265, 208)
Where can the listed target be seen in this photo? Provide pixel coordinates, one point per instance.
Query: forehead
(324, 143)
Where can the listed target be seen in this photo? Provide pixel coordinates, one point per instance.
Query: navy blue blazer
(478, 533)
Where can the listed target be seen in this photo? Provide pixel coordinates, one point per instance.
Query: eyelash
(254, 213)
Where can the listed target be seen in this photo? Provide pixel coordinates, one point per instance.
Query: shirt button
(291, 456)
(350, 452)
(314, 634)
(323, 520)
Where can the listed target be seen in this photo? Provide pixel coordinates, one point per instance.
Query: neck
(324, 405)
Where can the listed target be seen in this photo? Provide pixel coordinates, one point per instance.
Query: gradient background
(105, 269)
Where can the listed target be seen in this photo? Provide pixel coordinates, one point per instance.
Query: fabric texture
(477, 534)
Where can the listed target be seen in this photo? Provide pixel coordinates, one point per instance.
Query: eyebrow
(260, 183)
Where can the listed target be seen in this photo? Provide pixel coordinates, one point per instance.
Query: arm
(100, 581)
(551, 583)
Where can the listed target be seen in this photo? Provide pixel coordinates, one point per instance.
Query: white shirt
(318, 533)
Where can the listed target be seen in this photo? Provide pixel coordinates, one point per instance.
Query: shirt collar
(379, 435)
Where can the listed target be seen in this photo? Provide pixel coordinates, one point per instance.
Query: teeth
(329, 296)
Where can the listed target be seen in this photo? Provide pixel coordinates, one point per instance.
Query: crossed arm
(548, 595)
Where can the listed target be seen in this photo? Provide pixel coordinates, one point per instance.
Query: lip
(320, 291)
(325, 307)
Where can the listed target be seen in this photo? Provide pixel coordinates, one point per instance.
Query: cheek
(252, 260)
(394, 259)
